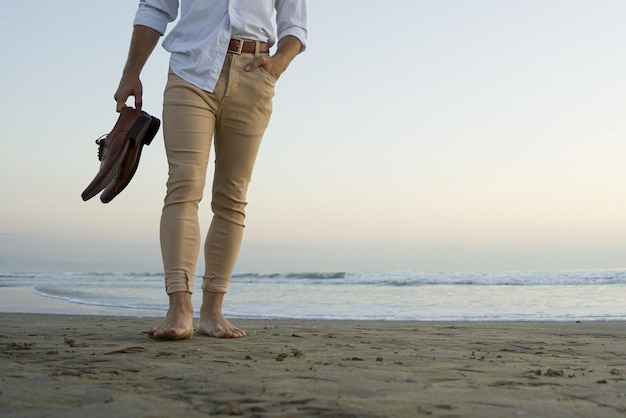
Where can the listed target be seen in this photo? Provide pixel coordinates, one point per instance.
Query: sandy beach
(77, 365)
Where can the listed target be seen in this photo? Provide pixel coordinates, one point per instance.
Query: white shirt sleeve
(156, 14)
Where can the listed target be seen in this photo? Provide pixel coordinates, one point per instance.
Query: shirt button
(214, 70)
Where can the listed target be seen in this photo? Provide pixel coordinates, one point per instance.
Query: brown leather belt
(242, 46)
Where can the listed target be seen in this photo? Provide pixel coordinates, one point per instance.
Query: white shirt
(198, 43)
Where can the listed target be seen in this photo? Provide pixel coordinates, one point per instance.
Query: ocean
(394, 296)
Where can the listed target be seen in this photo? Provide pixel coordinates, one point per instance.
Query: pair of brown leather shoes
(119, 153)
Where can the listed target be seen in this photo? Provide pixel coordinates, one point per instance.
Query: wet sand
(75, 365)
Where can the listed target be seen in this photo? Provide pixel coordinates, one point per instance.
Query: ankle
(211, 303)
(181, 301)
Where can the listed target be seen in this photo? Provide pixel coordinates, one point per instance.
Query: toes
(159, 333)
(154, 336)
(221, 333)
(227, 333)
(162, 333)
(219, 328)
(239, 333)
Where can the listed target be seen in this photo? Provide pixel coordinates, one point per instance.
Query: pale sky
(411, 135)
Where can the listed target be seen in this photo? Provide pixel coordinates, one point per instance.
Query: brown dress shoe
(130, 161)
(129, 130)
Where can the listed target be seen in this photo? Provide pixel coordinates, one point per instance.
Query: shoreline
(23, 299)
(26, 300)
(400, 296)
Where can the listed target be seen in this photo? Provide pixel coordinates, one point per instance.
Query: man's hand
(130, 85)
(141, 46)
(288, 48)
(272, 65)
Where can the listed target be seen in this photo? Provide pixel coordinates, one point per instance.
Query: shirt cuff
(152, 18)
(296, 32)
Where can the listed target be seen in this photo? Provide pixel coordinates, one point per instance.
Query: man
(220, 86)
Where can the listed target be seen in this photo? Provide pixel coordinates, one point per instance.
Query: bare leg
(178, 324)
(212, 321)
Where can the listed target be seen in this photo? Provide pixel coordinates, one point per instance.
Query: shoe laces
(101, 146)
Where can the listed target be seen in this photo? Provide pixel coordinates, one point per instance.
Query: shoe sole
(143, 137)
(95, 188)
(137, 131)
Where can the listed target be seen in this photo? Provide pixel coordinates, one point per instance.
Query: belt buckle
(239, 46)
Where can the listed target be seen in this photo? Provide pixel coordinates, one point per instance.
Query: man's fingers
(138, 103)
(121, 104)
(256, 63)
(120, 99)
(128, 87)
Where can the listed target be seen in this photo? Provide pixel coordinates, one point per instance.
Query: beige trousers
(234, 117)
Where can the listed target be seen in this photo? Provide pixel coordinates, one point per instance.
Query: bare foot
(212, 321)
(178, 324)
